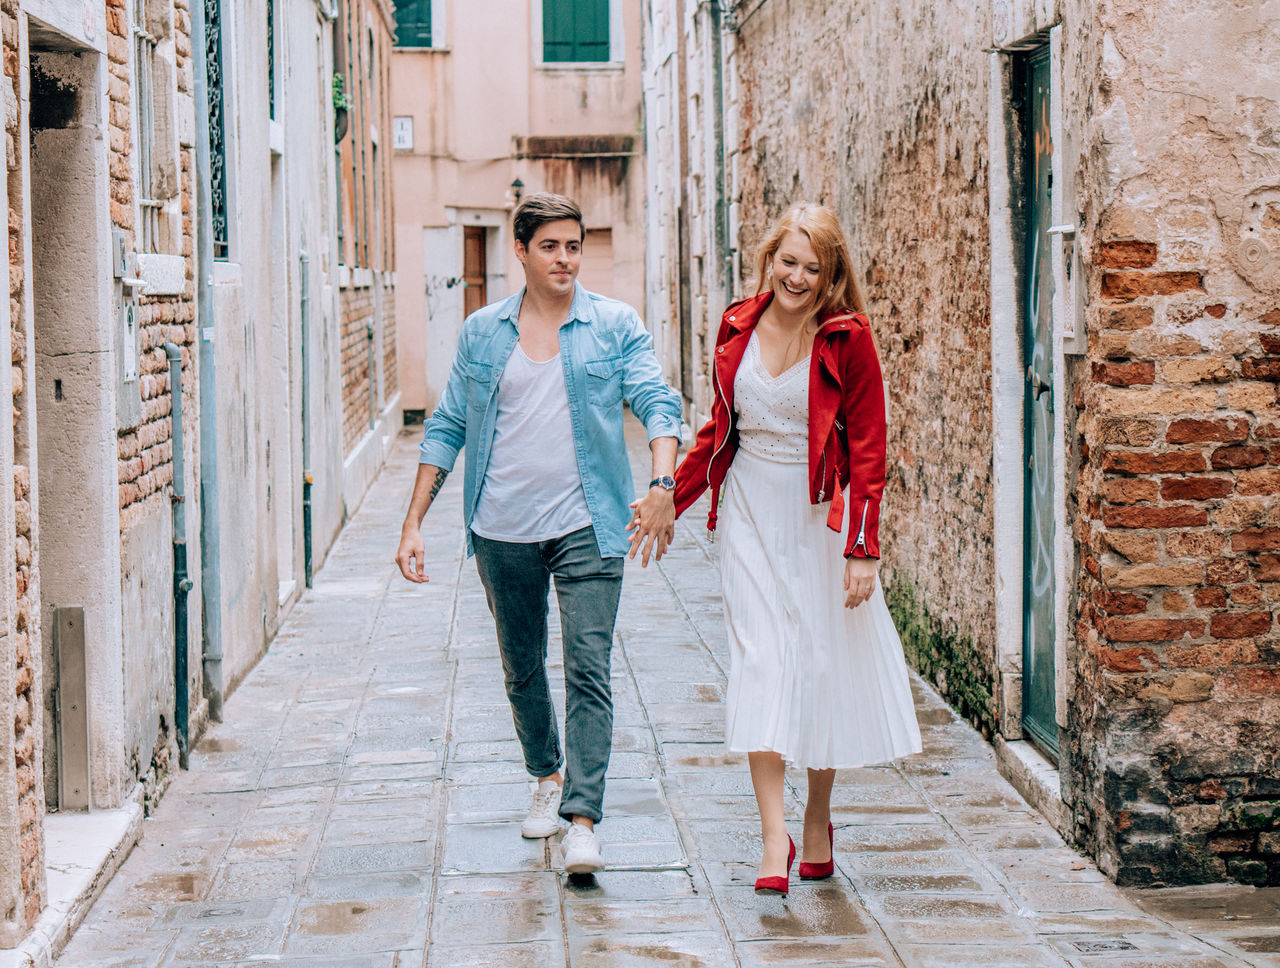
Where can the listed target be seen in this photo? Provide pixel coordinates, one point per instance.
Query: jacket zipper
(862, 528)
(715, 386)
(823, 477)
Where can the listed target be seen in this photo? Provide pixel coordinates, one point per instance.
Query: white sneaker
(544, 812)
(581, 849)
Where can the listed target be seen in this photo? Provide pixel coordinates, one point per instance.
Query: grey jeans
(516, 578)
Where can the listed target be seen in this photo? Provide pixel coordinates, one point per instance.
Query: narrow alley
(359, 807)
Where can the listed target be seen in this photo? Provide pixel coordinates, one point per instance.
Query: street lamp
(514, 192)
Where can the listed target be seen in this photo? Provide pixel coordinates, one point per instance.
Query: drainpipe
(305, 270)
(181, 582)
(210, 528)
(373, 377)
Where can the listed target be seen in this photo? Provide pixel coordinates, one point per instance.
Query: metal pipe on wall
(181, 581)
(305, 285)
(210, 528)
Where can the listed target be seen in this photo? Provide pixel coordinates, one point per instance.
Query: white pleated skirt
(821, 684)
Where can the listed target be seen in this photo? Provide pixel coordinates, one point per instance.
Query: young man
(535, 395)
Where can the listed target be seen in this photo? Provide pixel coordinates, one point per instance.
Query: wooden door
(474, 294)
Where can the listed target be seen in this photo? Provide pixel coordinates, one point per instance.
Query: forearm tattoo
(438, 482)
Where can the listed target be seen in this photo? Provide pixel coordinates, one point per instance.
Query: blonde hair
(838, 287)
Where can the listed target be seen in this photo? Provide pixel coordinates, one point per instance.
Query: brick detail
(357, 371)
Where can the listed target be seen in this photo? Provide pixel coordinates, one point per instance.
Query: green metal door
(1038, 698)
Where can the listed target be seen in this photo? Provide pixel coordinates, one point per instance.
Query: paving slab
(360, 806)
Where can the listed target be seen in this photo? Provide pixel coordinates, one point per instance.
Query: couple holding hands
(535, 395)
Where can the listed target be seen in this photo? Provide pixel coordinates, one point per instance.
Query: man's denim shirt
(607, 357)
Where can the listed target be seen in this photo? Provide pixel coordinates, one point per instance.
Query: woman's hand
(652, 525)
(859, 580)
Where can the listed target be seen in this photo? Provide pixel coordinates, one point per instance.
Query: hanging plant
(340, 100)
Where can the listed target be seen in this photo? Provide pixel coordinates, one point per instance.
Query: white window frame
(617, 47)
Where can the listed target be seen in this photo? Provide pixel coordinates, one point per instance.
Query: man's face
(552, 257)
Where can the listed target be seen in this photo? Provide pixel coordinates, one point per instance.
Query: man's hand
(859, 580)
(411, 554)
(653, 524)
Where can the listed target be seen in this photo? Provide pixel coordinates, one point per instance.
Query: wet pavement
(360, 807)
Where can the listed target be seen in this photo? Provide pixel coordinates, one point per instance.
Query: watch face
(668, 482)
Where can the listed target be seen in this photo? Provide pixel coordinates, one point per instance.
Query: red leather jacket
(846, 423)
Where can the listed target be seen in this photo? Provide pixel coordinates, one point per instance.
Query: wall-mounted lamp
(514, 192)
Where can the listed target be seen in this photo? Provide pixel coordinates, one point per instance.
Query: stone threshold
(82, 853)
(1036, 780)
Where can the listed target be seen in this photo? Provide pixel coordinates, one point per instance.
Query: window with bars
(413, 23)
(271, 59)
(575, 31)
(217, 128)
(144, 81)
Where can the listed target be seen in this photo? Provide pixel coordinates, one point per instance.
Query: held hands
(411, 554)
(653, 524)
(859, 580)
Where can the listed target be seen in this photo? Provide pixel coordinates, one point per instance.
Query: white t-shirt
(532, 488)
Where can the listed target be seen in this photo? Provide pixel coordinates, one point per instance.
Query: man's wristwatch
(666, 482)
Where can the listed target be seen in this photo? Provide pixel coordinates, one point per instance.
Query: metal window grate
(144, 50)
(217, 128)
(271, 59)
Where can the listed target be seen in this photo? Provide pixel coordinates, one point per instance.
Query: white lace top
(773, 412)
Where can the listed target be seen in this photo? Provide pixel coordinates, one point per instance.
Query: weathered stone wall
(26, 615)
(1175, 719)
(883, 118)
(1168, 683)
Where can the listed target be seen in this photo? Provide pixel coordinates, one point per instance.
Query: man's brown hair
(538, 208)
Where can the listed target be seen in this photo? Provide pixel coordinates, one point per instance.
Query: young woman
(817, 676)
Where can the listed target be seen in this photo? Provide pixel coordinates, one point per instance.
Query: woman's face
(795, 273)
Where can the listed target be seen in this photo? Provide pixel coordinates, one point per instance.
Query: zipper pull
(862, 527)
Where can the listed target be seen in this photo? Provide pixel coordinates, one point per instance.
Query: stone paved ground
(360, 805)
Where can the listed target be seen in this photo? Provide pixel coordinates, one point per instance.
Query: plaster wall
(456, 166)
(75, 380)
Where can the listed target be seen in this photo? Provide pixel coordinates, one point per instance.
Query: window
(271, 59)
(413, 23)
(217, 127)
(575, 31)
(144, 54)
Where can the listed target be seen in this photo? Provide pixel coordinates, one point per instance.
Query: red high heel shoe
(816, 872)
(775, 884)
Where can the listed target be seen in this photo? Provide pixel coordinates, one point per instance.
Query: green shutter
(575, 31)
(413, 23)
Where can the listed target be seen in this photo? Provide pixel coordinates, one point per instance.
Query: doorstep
(1036, 780)
(82, 852)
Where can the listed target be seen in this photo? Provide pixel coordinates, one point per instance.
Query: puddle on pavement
(177, 887)
(338, 918)
(935, 717)
(218, 744)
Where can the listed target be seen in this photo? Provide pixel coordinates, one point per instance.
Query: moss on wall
(951, 661)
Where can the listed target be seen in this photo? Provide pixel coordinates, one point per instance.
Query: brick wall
(145, 451)
(390, 371)
(357, 313)
(26, 631)
(1179, 590)
(1174, 717)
